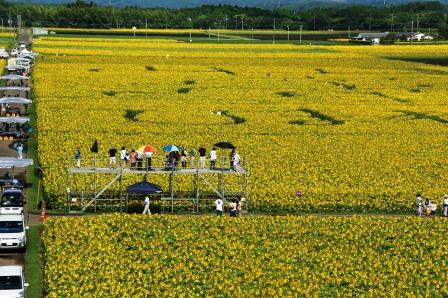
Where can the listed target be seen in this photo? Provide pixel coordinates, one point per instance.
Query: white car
(12, 282)
(12, 201)
(12, 232)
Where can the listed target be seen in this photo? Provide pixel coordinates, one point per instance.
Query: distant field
(353, 131)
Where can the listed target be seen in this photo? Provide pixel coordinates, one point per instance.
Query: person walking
(147, 210)
(202, 155)
(232, 208)
(213, 158)
(20, 151)
(419, 204)
(219, 205)
(112, 156)
(133, 159)
(78, 157)
(192, 157)
(445, 206)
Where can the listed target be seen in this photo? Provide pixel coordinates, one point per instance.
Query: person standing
(112, 156)
(419, 204)
(148, 156)
(20, 151)
(133, 159)
(202, 152)
(192, 157)
(78, 157)
(183, 159)
(147, 202)
(123, 156)
(232, 208)
(213, 157)
(427, 209)
(219, 205)
(445, 206)
(232, 153)
(236, 162)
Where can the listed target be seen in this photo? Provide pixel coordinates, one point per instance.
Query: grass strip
(33, 263)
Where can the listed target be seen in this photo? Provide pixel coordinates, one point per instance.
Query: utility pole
(146, 29)
(288, 32)
(225, 20)
(209, 33)
(392, 23)
(9, 21)
(349, 32)
(412, 31)
(273, 34)
(242, 22)
(418, 22)
(300, 36)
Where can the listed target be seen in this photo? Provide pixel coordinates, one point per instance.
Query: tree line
(80, 14)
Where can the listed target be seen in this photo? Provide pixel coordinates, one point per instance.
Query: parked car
(12, 201)
(12, 232)
(12, 282)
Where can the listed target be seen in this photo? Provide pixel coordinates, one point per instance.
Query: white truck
(12, 282)
(12, 232)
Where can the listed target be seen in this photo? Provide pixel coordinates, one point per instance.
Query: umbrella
(225, 145)
(170, 148)
(147, 148)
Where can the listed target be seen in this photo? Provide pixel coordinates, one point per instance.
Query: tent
(14, 88)
(144, 187)
(12, 99)
(20, 120)
(14, 77)
(12, 162)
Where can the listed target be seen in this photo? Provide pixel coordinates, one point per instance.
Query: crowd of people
(173, 160)
(429, 207)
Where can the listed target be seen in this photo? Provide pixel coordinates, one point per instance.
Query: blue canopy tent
(144, 188)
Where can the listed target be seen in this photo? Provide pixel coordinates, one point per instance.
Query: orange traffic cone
(42, 214)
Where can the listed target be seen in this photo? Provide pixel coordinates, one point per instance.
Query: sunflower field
(173, 256)
(350, 128)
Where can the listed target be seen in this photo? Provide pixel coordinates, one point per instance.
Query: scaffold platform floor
(191, 171)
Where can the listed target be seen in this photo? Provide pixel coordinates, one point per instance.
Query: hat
(242, 199)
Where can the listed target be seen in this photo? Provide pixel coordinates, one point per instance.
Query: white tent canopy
(12, 162)
(16, 67)
(12, 99)
(14, 89)
(14, 77)
(20, 120)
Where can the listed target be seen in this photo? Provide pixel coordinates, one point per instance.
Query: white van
(12, 282)
(12, 232)
(12, 201)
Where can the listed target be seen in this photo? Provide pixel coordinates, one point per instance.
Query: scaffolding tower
(105, 187)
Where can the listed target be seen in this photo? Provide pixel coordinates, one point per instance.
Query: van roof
(11, 217)
(10, 270)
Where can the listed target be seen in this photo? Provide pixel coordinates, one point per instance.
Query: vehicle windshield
(11, 227)
(12, 200)
(10, 283)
